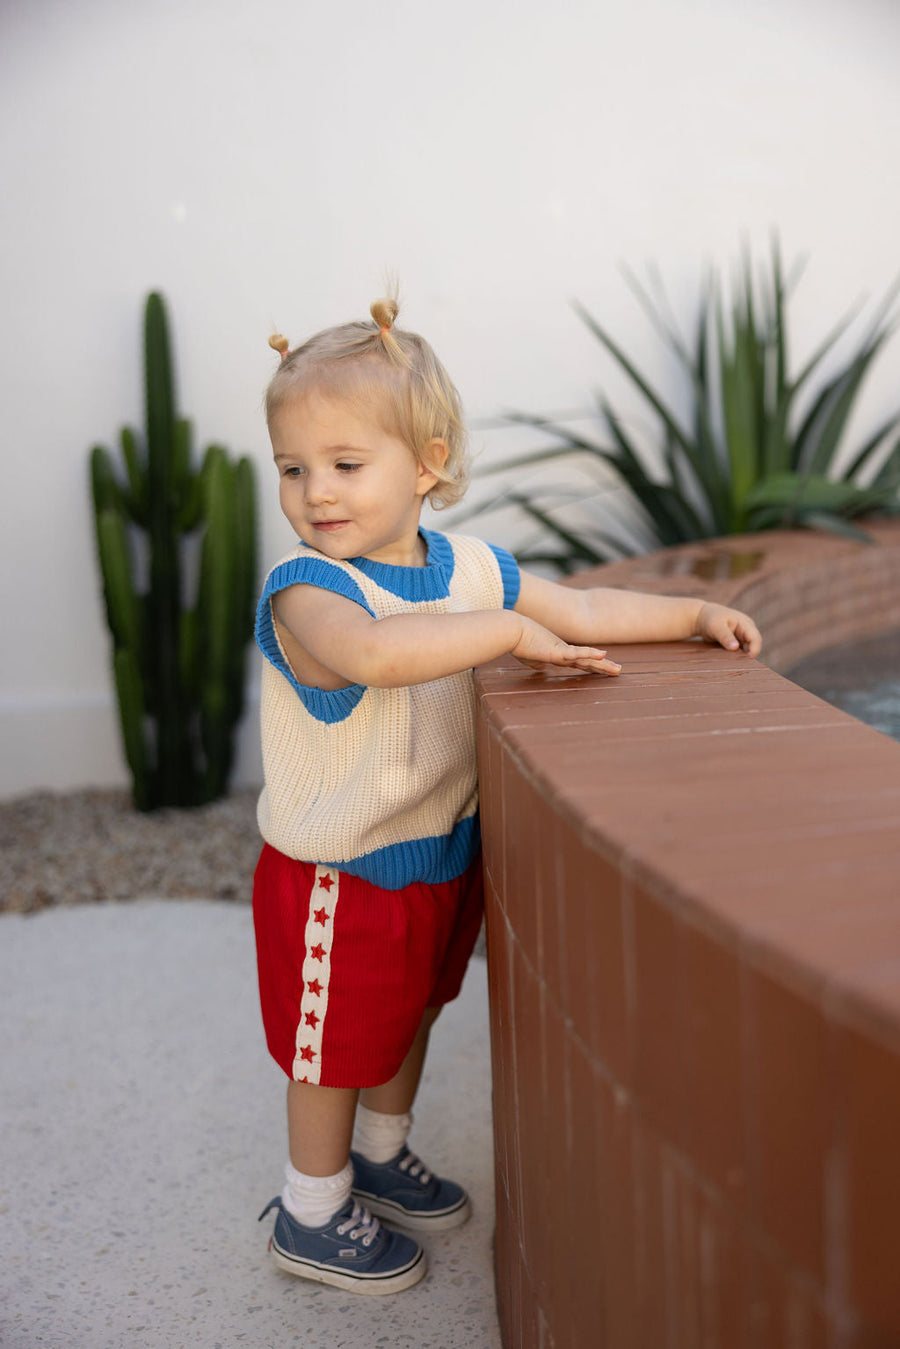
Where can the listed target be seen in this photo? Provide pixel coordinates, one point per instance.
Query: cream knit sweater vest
(380, 783)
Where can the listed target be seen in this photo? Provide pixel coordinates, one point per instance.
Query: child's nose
(320, 487)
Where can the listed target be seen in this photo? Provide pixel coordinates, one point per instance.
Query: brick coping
(749, 808)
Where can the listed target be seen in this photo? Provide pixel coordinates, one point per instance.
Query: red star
(302, 1079)
(317, 952)
(321, 916)
(312, 1019)
(326, 882)
(314, 986)
(307, 1054)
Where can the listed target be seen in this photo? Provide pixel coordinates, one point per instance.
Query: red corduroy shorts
(346, 970)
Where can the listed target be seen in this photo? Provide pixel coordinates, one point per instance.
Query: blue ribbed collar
(431, 582)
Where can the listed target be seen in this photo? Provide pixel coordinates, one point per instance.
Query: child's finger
(738, 632)
(750, 638)
(722, 630)
(564, 654)
(596, 664)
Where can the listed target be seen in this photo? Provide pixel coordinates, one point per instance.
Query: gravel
(92, 845)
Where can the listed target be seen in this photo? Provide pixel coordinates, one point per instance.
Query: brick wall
(693, 879)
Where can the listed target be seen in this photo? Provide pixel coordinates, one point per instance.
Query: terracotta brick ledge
(694, 947)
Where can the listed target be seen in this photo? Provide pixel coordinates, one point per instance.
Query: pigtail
(280, 344)
(384, 312)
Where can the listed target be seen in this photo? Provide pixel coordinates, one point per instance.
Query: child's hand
(538, 647)
(729, 627)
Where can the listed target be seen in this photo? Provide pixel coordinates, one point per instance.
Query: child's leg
(320, 1126)
(319, 1176)
(388, 1178)
(396, 1097)
(383, 1118)
(322, 1232)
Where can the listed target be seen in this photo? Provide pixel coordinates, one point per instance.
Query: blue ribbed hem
(431, 582)
(324, 704)
(509, 574)
(430, 860)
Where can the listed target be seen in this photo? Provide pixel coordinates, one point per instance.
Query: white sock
(312, 1200)
(379, 1137)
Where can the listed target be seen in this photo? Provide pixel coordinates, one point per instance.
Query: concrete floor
(142, 1133)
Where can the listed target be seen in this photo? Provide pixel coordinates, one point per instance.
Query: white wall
(268, 162)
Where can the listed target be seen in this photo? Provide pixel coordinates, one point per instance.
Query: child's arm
(629, 616)
(344, 639)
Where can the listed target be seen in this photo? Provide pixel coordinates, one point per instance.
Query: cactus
(178, 663)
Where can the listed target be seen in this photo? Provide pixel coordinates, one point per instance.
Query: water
(862, 678)
(712, 564)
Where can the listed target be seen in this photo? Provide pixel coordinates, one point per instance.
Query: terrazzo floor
(142, 1133)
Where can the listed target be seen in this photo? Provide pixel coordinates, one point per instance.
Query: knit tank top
(378, 782)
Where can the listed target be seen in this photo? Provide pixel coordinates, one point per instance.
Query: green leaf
(779, 333)
(797, 492)
(651, 396)
(834, 524)
(652, 496)
(738, 411)
(888, 476)
(824, 442)
(530, 457)
(822, 351)
(664, 324)
(870, 446)
(577, 546)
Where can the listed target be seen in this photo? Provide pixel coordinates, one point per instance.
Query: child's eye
(293, 471)
(347, 468)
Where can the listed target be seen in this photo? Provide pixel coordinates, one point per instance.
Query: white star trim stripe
(318, 938)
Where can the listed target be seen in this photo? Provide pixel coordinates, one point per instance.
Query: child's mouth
(326, 526)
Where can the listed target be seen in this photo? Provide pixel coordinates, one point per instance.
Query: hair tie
(384, 312)
(280, 344)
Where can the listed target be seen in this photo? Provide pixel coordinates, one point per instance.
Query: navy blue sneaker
(404, 1191)
(351, 1251)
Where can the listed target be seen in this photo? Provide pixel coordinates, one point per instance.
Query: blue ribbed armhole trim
(323, 704)
(509, 574)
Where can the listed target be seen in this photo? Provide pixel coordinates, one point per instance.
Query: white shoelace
(416, 1168)
(361, 1223)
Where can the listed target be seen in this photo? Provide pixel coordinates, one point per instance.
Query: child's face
(348, 488)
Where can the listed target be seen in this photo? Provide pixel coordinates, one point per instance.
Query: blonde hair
(386, 372)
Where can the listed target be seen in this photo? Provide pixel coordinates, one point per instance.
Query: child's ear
(433, 456)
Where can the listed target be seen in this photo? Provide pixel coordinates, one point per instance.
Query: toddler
(367, 897)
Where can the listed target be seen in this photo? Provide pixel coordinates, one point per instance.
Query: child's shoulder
(469, 544)
(486, 566)
(302, 553)
(307, 566)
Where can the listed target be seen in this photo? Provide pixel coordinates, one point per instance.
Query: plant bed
(92, 846)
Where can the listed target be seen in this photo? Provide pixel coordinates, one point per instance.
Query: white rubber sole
(373, 1285)
(414, 1222)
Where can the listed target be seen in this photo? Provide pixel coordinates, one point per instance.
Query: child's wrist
(516, 624)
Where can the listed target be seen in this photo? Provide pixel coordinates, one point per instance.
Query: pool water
(862, 678)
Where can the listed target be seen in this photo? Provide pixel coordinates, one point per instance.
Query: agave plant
(748, 457)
